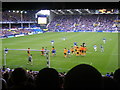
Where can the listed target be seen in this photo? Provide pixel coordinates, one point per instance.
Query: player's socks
(77, 54)
(65, 56)
(84, 54)
(80, 53)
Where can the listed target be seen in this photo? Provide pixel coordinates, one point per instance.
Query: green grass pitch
(106, 61)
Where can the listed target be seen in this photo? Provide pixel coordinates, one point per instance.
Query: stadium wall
(37, 31)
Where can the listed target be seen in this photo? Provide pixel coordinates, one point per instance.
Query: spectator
(3, 83)
(109, 83)
(47, 78)
(6, 75)
(83, 77)
(19, 80)
(116, 77)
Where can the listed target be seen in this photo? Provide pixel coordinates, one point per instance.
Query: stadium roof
(84, 11)
(57, 5)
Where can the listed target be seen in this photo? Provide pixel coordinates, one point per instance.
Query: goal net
(19, 58)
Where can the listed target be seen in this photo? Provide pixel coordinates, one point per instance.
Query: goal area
(19, 58)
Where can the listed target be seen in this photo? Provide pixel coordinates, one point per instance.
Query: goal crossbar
(47, 55)
(27, 50)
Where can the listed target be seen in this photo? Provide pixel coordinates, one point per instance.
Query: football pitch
(106, 61)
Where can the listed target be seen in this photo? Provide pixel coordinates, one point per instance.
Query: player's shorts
(72, 51)
(53, 51)
(42, 52)
(29, 60)
(28, 52)
(82, 51)
(77, 52)
(65, 53)
(68, 53)
(6, 51)
(95, 47)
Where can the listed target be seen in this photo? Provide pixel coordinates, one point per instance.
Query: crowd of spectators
(68, 22)
(81, 77)
(16, 16)
(83, 22)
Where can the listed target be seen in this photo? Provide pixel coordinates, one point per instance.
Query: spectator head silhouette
(83, 77)
(48, 78)
(19, 75)
(108, 83)
(116, 75)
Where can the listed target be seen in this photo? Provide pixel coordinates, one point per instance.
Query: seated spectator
(109, 83)
(47, 78)
(3, 83)
(6, 75)
(116, 77)
(83, 77)
(19, 80)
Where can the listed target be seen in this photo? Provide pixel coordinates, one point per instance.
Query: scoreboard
(42, 19)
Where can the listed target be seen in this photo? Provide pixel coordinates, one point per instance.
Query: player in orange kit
(72, 50)
(75, 48)
(42, 52)
(81, 47)
(65, 52)
(28, 51)
(84, 50)
(78, 51)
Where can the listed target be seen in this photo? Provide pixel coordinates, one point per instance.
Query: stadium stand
(83, 22)
(17, 23)
(60, 23)
(82, 76)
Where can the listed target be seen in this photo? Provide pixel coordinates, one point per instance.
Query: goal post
(46, 54)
